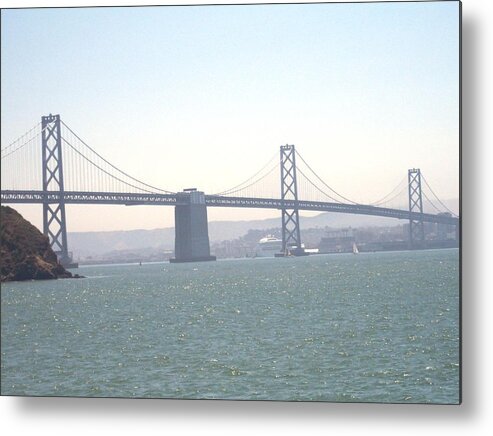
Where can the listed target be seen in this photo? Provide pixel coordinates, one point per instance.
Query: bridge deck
(130, 199)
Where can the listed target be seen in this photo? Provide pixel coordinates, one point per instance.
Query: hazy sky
(204, 96)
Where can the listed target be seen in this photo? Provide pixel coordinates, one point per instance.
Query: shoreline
(166, 262)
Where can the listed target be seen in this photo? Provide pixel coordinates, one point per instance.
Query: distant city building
(337, 241)
(446, 231)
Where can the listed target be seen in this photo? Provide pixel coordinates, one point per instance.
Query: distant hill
(85, 244)
(25, 254)
(96, 243)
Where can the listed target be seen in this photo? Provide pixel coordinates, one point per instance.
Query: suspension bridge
(51, 165)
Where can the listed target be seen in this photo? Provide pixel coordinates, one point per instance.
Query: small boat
(355, 248)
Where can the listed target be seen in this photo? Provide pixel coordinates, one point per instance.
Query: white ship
(268, 246)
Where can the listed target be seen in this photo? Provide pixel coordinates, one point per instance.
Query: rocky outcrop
(25, 253)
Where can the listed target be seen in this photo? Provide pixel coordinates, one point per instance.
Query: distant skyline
(204, 96)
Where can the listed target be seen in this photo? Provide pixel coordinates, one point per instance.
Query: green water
(373, 327)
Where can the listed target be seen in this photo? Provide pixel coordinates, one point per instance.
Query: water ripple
(379, 327)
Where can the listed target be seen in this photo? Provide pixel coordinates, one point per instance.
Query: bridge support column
(416, 226)
(54, 221)
(291, 238)
(191, 229)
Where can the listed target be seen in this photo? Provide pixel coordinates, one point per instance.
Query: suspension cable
(430, 202)
(20, 137)
(319, 178)
(385, 200)
(113, 166)
(232, 191)
(103, 170)
(247, 180)
(316, 187)
(19, 147)
(436, 196)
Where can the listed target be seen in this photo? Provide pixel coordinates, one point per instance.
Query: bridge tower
(291, 239)
(54, 222)
(416, 226)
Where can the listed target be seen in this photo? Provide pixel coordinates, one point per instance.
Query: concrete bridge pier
(191, 229)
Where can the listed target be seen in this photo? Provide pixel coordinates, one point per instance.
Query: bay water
(372, 327)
